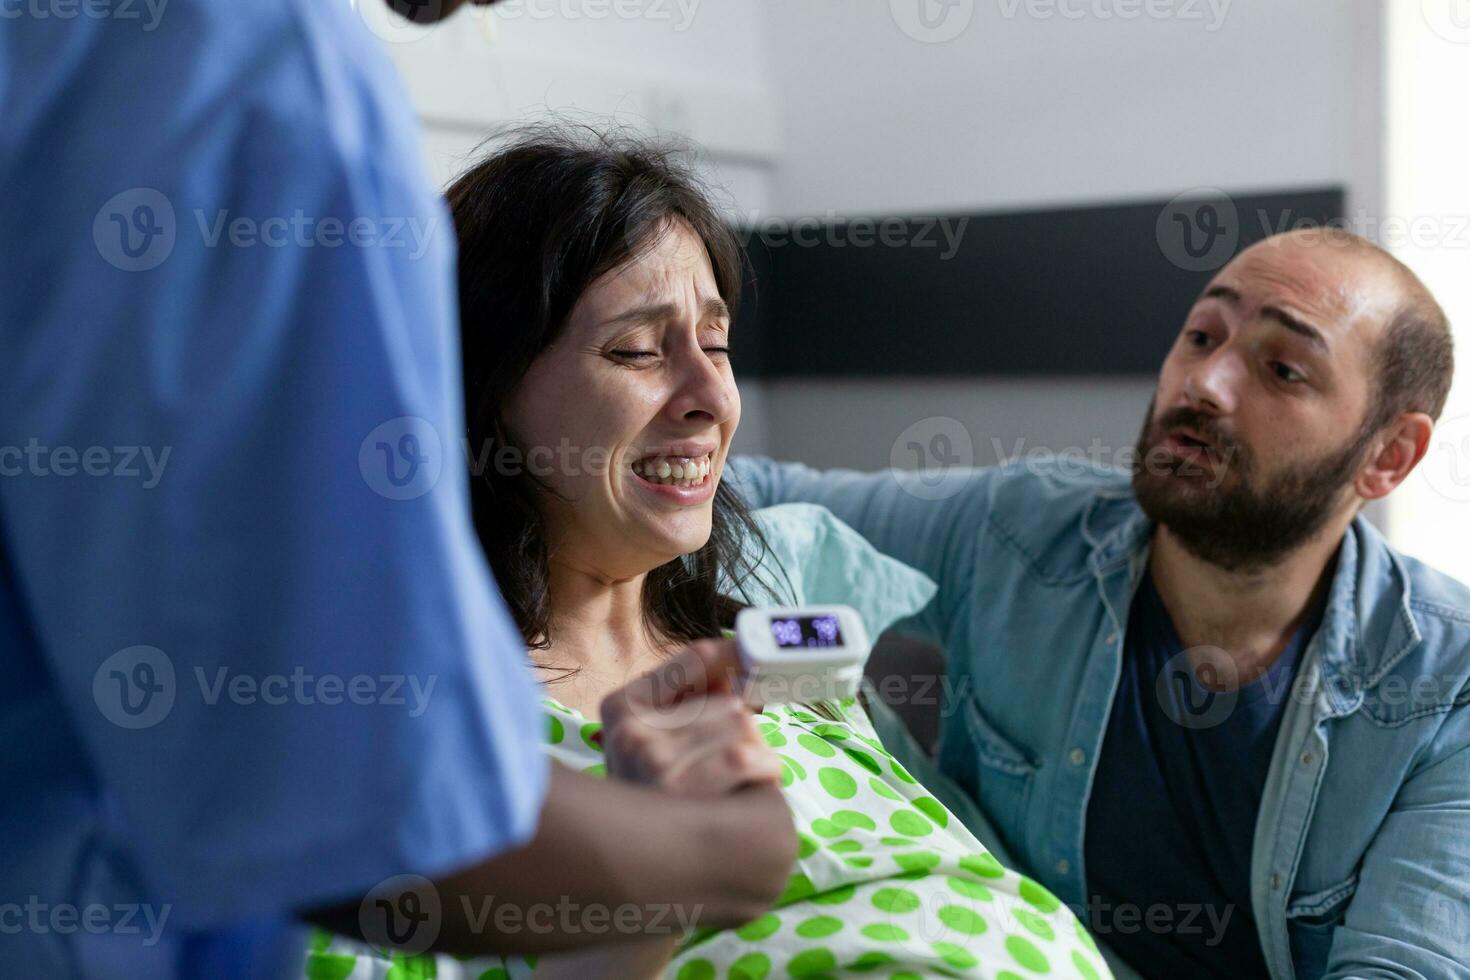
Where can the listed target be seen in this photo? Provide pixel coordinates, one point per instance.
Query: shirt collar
(1367, 628)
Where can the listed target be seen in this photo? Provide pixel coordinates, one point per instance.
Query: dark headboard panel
(1092, 290)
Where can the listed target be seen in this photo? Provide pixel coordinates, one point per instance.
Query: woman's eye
(718, 350)
(1288, 373)
(633, 355)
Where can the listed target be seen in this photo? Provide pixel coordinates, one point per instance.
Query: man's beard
(1223, 511)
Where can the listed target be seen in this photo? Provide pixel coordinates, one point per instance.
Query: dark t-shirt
(1172, 814)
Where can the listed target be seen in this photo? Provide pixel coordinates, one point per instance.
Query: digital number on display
(807, 631)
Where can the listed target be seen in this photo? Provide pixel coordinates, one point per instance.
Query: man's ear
(1402, 443)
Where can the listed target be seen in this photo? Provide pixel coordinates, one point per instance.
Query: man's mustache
(1222, 443)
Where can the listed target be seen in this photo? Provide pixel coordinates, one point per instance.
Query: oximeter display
(806, 631)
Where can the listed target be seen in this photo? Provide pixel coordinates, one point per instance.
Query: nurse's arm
(611, 845)
(614, 845)
(928, 522)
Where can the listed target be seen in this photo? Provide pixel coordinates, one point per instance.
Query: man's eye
(633, 355)
(1288, 373)
(718, 350)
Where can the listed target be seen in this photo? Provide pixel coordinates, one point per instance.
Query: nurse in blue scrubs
(233, 548)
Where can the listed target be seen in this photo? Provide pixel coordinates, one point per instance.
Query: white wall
(842, 108)
(680, 67)
(1029, 106)
(1429, 197)
(1021, 110)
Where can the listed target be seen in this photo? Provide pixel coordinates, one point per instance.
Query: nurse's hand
(682, 729)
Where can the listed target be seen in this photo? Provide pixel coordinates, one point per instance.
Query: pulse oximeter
(801, 653)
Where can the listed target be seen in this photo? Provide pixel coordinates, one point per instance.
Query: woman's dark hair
(550, 211)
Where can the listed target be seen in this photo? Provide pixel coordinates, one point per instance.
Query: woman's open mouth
(683, 478)
(674, 471)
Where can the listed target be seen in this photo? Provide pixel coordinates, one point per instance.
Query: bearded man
(1201, 699)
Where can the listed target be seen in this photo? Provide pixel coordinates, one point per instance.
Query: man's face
(1257, 429)
(428, 11)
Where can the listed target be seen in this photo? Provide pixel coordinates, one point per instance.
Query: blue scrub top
(253, 659)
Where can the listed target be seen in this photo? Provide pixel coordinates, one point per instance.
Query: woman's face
(628, 416)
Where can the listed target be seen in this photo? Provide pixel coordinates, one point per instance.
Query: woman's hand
(682, 729)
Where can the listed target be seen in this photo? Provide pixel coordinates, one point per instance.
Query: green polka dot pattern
(887, 882)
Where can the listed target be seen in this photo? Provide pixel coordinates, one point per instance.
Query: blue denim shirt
(1361, 861)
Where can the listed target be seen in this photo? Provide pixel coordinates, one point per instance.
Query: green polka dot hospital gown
(888, 883)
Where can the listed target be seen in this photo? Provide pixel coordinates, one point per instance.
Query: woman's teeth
(674, 471)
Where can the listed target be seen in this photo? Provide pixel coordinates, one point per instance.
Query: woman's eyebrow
(713, 308)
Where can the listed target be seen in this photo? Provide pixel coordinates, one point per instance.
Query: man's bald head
(1412, 358)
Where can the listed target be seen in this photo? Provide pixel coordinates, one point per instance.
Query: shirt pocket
(1004, 773)
(1311, 920)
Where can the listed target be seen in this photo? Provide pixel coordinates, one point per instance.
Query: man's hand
(681, 728)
